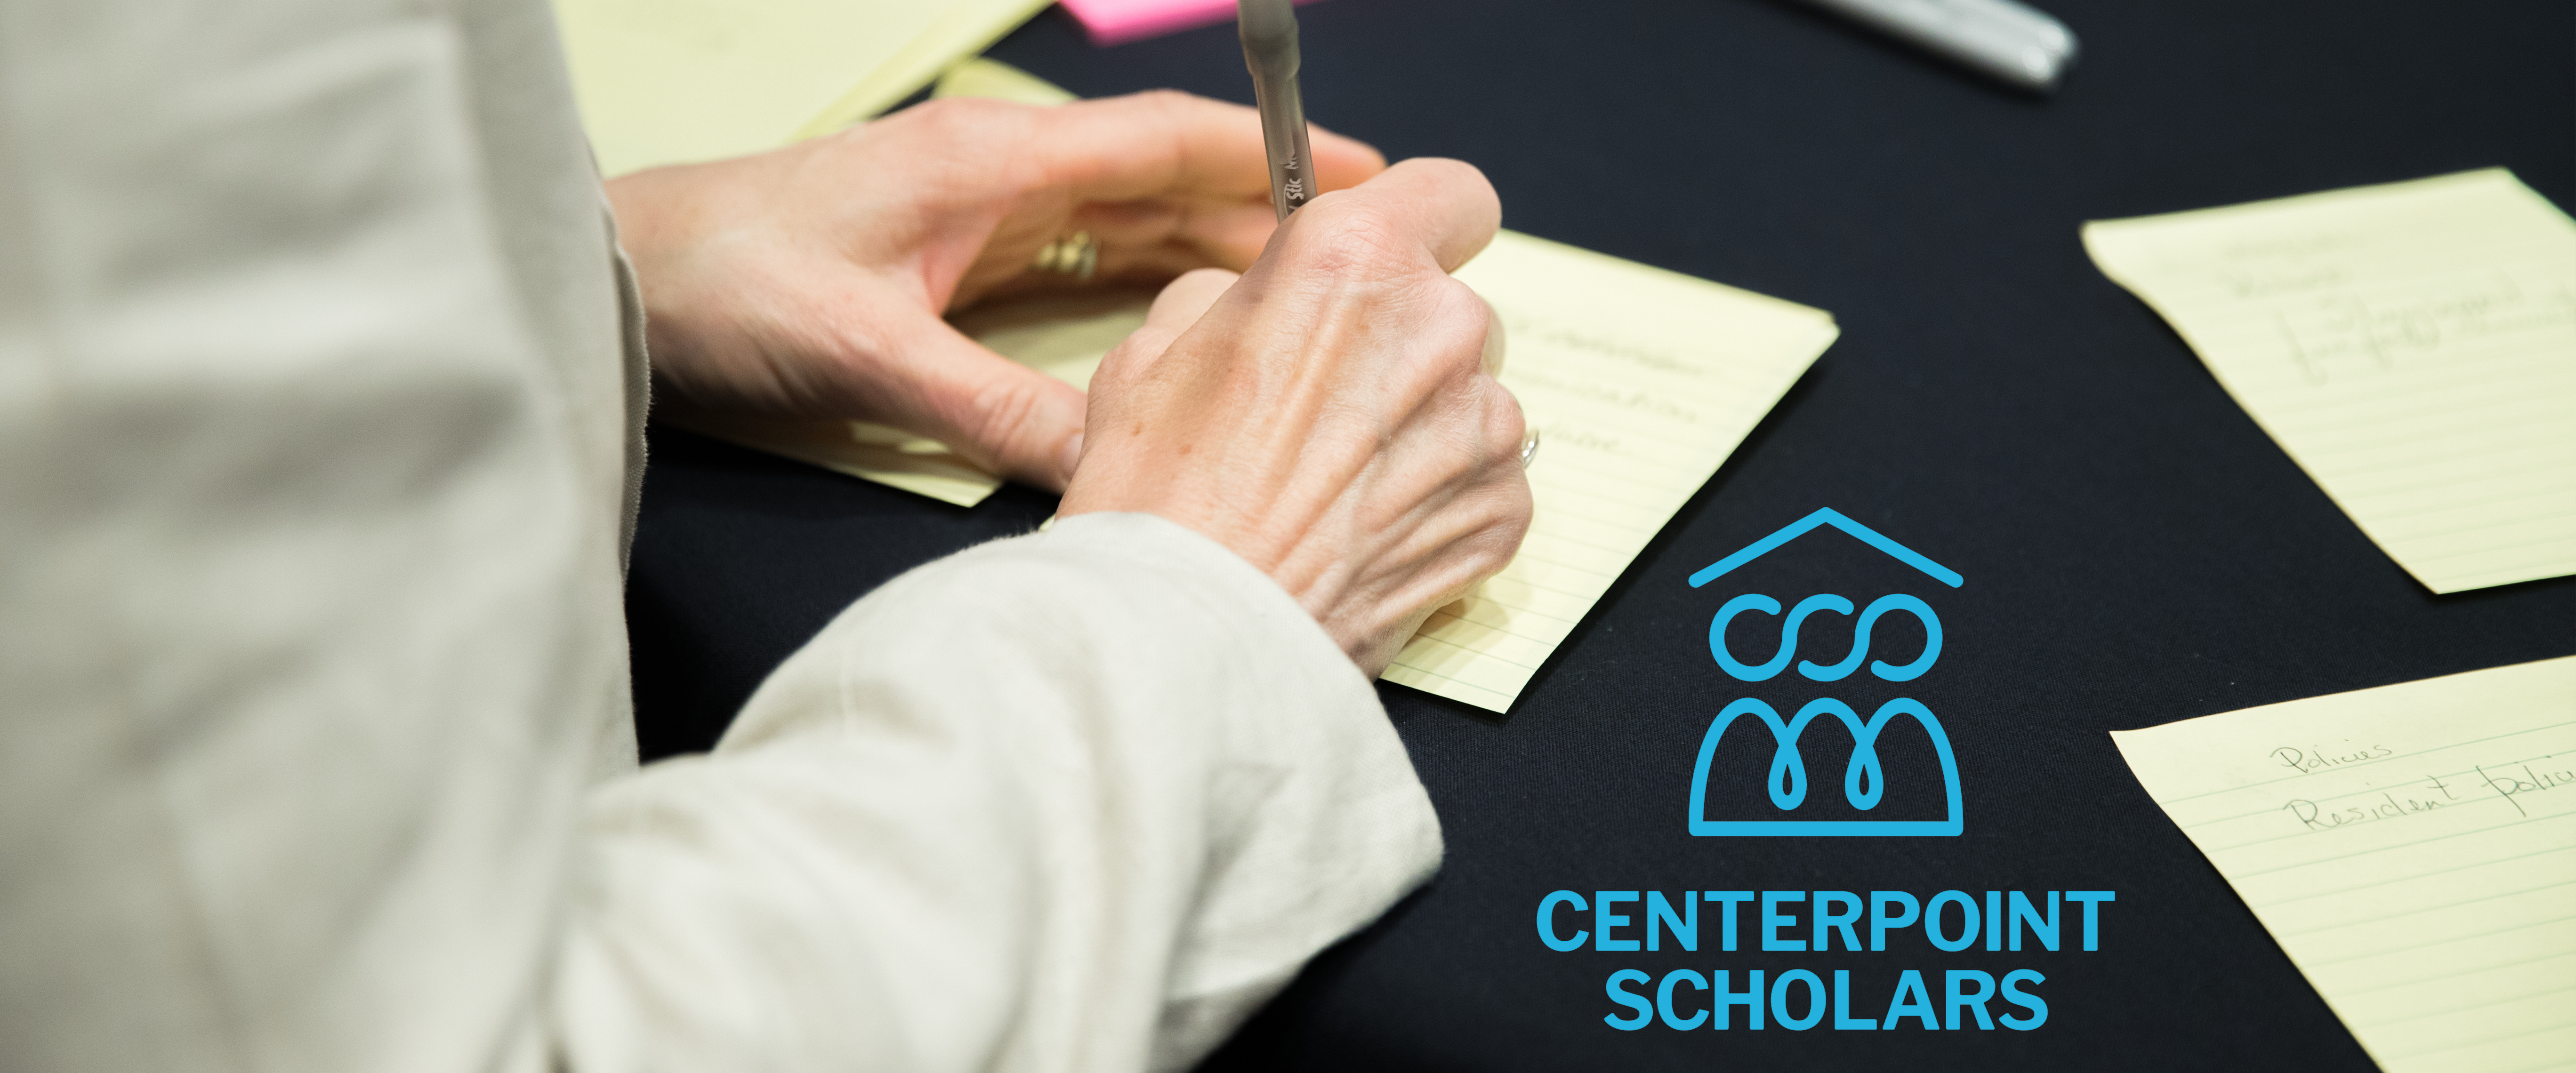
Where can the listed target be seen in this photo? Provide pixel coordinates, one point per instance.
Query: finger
(1187, 299)
(1179, 306)
(1208, 233)
(1006, 417)
(1494, 341)
(1425, 207)
(1222, 233)
(1170, 143)
(1513, 427)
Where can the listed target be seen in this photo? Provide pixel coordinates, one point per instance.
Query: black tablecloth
(2135, 550)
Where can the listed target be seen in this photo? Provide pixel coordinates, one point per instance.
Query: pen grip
(1269, 29)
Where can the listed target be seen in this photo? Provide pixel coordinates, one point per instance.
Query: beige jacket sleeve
(316, 467)
(1078, 801)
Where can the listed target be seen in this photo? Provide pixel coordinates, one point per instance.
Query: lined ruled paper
(2412, 346)
(1640, 382)
(2412, 848)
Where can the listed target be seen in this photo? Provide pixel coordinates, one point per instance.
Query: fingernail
(1072, 456)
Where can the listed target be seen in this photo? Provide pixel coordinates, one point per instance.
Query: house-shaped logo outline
(1832, 517)
(1703, 827)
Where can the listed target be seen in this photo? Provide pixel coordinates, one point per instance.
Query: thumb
(1001, 415)
(1182, 303)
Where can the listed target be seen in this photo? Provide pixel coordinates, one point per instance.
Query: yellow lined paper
(1640, 382)
(674, 81)
(2412, 346)
(2411, 847)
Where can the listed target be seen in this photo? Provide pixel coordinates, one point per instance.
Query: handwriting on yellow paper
(2407, 344)
(2411, 847)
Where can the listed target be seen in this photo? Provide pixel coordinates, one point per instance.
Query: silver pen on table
(1270, 49)
(2008, 40)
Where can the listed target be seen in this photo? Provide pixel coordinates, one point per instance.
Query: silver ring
(1529, 447)
(1073, 255)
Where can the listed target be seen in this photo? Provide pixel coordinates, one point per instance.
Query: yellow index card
(1640, 382)
(2412, 346)
(2411, 847)
(676, 81)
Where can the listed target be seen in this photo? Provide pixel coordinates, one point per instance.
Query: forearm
(1077, 800)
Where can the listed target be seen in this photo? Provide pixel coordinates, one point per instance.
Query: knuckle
(1464, 174)
(1500, 439)
(1513, 507)
(1123, 365)
(1501, 522)
(1168, 101)
(1452, 327)
(1506, 424)
(1352, 239)
(1209, 278)
(1456, 178)
(950, 115)
(1166, 109)
(1462, 315)
(1507, 514)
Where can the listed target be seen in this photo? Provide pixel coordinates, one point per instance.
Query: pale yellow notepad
(2411, 847)
(675, 81)
(1640, 382)
(2412, 346)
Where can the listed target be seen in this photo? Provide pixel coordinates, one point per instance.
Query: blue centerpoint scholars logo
(1863, 783)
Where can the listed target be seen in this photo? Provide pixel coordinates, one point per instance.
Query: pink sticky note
(1116, 22)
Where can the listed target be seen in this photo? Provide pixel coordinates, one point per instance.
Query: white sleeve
(1077, 800)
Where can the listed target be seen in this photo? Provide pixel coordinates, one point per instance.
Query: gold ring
(1073, 255)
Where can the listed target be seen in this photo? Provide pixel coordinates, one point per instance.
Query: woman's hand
(1331, 415)
(811, 280)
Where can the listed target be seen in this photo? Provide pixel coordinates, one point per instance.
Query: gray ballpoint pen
(1270, 50)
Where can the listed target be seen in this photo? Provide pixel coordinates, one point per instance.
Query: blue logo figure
(1863, 782)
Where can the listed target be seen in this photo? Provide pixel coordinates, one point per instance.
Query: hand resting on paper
(1332, 415)
(810, 281)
